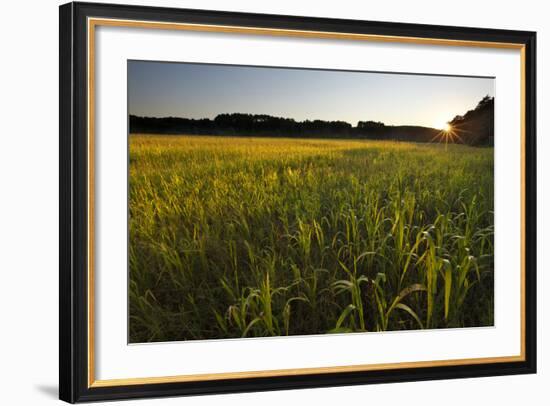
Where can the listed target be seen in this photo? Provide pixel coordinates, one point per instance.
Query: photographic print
(259, 202)
(271, 201)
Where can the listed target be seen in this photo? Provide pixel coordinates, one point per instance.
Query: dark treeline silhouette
(477, 126)
(264, 125)
(474, 128)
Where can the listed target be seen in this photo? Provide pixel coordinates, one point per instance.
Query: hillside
(477, 126)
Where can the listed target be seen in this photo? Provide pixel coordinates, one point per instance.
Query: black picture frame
(73, 255)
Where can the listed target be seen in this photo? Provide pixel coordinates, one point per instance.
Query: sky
(189, 90)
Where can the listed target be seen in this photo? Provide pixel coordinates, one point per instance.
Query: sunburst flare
(449, 133)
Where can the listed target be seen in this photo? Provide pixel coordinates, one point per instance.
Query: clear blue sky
(161, 89)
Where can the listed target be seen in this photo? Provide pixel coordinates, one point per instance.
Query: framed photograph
(257, 202)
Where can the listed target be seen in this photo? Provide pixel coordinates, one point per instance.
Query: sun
(448, 133)
(442, 126)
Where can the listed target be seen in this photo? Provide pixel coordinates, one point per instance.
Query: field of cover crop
(252, 237)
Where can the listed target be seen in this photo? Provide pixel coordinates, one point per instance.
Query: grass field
(252, 237)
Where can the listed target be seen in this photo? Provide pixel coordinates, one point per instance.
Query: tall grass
(251, 237)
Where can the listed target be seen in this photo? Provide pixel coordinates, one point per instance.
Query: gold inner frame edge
(94, 22)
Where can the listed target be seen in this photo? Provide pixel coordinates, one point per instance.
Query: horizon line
(285, 118)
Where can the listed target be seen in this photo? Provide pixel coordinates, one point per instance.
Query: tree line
(477, 124)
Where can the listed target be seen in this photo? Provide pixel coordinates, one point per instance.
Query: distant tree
(486, 101)
(370, 124)
(476, 126)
